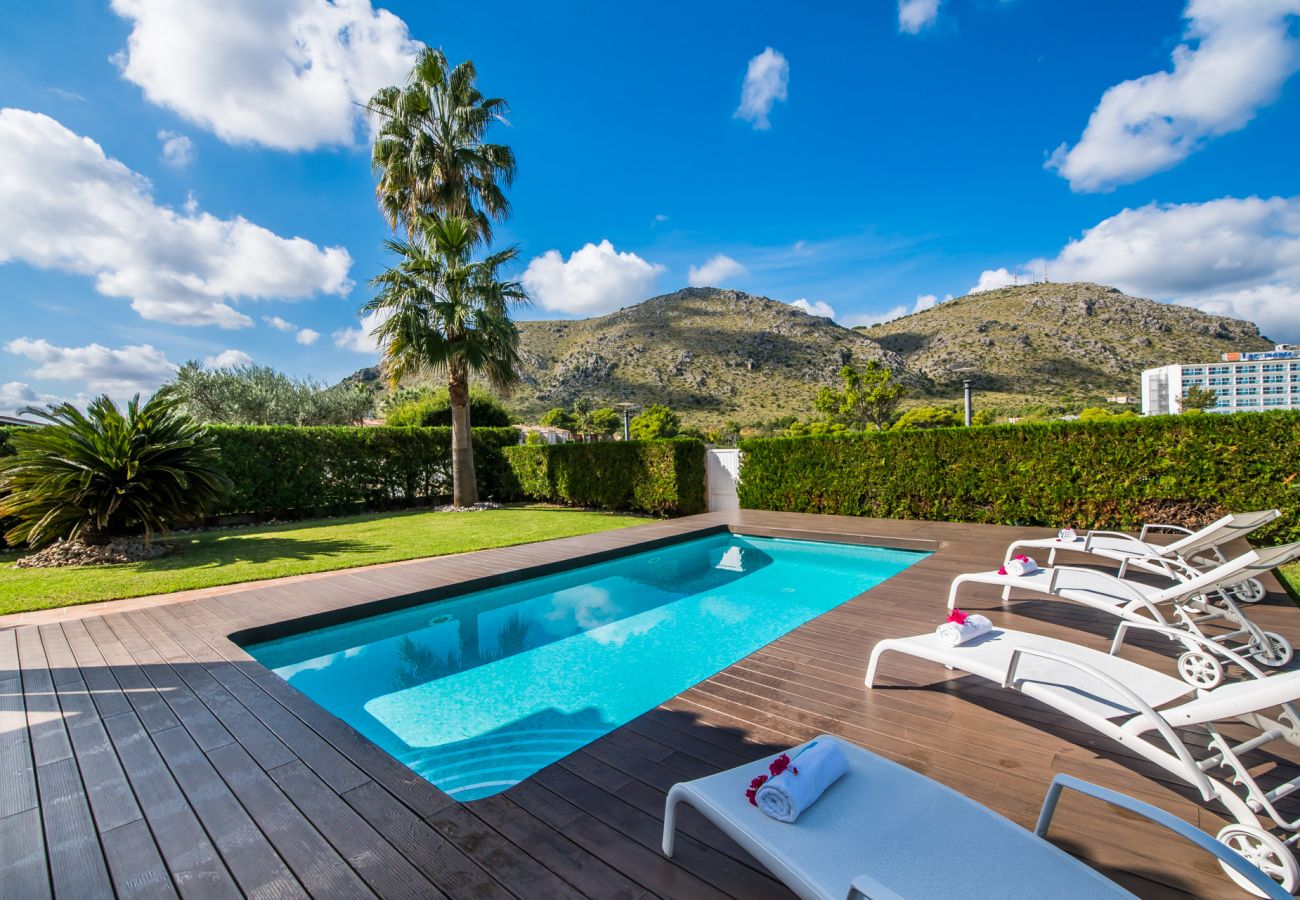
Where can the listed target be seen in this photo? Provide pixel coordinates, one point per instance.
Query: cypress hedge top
(1185, 470)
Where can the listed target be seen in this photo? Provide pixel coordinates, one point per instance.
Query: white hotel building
(1243, 382)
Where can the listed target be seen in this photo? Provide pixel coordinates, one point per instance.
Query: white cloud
(916, 15)
(290, 74)
(814, 307)
(595, 279)
(177, 149)
(1239, 54)
(227, 359)
(128, 370)
(278, 323)
(661, 218)
(65, 205)
(1232, 256)
(360, 339)
(307, 336)
(714, 271)
(992, 279)
(15, 395)
(923, 302)
(766, 81)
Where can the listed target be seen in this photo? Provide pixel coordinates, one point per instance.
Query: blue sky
(187, 180)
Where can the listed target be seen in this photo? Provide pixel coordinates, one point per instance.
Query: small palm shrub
(100, 475)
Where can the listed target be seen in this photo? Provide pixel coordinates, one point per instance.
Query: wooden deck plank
(320, 869)
(248, 855)
(585, 871)
(204, 727)
(18, 783)
(164, 755)
(509, 864)
(194, 863)
(379, 864)
(23, 868)
(135, 864)
(451, 870)
(77, 865)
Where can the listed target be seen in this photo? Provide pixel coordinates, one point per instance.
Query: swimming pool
(478, 692)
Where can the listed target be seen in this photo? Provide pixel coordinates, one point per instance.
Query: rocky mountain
(1062, 341)
(718, 354)
(711, 354)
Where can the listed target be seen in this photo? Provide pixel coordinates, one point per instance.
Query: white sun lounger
(1186, 604)
(885, 832)
(1197, 549)
(1126, 701)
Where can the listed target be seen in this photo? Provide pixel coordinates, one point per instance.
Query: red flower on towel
(779, 765)
(957, 616)
(752, 793)
(1021, 557)
(1002, 570)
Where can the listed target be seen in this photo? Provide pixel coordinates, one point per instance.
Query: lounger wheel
(1200, 669)
(1263, 850)
(1277, 650)
(1249, 591)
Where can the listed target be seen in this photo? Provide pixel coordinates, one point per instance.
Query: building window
(1275, 390)
(1273, 379)
(1243, 369)
(1249, 379)
(1247, 390)
(1219, 370)
(1273, 367)
(1197, 371)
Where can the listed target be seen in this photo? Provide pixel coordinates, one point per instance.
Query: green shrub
(660, 477)
(433, 410)
(921, 417)
(98, 475)
(1115, 473)
(6, 449)
(654, 422)
(283, 471)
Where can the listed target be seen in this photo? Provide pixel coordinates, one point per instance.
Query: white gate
(722, 473)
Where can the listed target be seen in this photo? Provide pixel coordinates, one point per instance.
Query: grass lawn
(234, 555)
(1291, 579)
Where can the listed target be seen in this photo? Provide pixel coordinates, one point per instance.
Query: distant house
(1123, 399)
(14, 420)
(548, 433)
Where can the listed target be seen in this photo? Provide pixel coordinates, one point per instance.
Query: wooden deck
(145, 754)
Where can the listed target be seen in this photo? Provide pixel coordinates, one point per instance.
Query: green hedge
(1179, 469)
(660, 477)
(289, 471)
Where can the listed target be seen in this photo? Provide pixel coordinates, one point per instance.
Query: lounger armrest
(865, 887)
(1221, 851)
(1160, 526)
(1153, 720)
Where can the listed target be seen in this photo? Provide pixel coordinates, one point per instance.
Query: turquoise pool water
(478, 692)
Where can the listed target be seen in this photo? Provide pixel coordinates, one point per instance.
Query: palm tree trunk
(464, 486)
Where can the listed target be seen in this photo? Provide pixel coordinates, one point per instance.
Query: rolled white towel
(954, 635)
(810, 773)
(1068, 535)
(1018, 566)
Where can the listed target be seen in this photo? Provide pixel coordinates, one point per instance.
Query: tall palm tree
(449, 315)
(429, 149)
